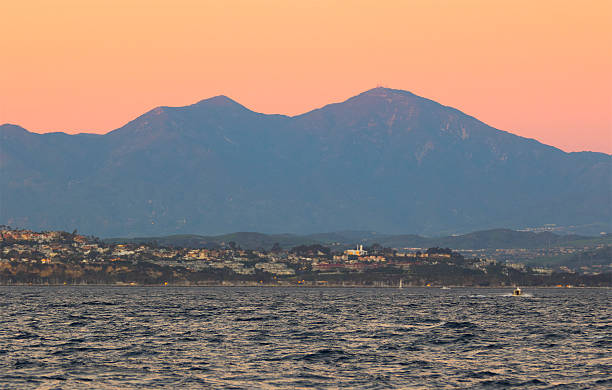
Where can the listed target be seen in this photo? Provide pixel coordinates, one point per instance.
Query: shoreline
(313, 286)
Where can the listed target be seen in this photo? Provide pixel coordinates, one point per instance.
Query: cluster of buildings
(53, 247)
(25, 246)
(61, 247)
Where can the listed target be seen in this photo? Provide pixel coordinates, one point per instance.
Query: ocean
(265, 337)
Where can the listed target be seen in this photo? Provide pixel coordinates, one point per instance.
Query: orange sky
(540, 69)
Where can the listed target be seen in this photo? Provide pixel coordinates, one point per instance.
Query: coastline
(309, 286)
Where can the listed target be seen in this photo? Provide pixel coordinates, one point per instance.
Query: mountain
(245, 240)
(487, 239)
(384, 160)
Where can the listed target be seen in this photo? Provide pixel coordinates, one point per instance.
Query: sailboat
(400, 283)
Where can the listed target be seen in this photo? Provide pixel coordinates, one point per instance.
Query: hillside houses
(299, 263)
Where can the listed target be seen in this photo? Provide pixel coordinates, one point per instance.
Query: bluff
(384, 160)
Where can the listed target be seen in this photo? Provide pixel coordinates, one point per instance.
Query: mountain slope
(384, 160)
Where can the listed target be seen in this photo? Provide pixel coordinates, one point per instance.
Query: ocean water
(218, 337)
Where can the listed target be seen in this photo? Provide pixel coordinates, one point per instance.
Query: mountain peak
(387, 93)
(9, 128)
(382, 95)
(377, 104)
(219, 101)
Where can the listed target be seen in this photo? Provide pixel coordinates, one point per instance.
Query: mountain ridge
(385, 159)
(487, 239)
(224, 100)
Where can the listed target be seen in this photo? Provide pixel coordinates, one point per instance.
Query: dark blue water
(125, 337)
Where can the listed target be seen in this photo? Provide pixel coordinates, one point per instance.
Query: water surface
(126, 337)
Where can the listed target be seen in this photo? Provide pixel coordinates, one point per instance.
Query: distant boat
(400, 283)
(517, 291)
(445, 288)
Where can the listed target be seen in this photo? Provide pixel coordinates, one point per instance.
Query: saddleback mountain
(384, 160)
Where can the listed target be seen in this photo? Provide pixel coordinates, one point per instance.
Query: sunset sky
(540, 69)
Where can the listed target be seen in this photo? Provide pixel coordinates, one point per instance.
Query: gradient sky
(541, 69)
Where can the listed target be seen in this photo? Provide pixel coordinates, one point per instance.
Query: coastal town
(55, 257)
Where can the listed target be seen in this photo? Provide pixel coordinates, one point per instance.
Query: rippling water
(82, 337)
